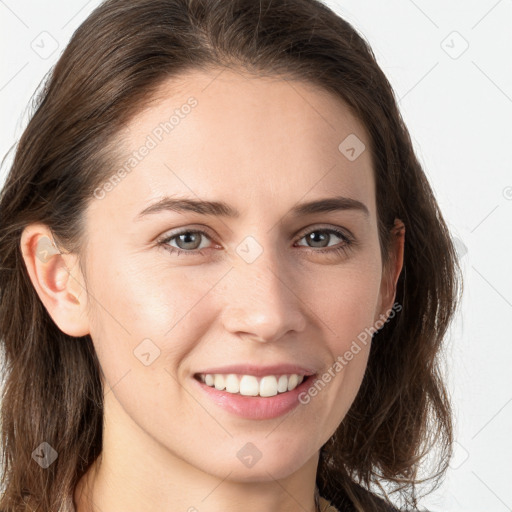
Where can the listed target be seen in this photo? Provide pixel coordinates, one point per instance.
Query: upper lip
(259, 371)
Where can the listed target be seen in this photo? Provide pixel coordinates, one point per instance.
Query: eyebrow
(222, 209)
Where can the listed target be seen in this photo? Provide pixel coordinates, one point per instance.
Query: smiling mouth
(250, 385)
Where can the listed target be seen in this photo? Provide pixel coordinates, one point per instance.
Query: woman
(225, 278)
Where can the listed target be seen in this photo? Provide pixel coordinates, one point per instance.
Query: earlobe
(56, 278)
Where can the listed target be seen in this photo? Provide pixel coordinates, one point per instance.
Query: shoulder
(326, 506)
(383, 506)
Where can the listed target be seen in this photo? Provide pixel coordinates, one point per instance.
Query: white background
(457, 104)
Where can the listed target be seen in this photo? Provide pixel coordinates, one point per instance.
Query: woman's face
(270, 286)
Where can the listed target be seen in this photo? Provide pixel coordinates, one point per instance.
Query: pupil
(185, 237)
(313, 238)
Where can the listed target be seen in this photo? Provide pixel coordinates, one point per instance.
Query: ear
(57, 279)
(391, 271)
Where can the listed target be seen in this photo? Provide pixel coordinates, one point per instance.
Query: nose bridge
(261, 299)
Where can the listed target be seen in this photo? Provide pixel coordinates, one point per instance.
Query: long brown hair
(114, 62)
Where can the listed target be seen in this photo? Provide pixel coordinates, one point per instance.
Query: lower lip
(256, 407)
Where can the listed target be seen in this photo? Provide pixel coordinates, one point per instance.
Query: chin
(262, 460)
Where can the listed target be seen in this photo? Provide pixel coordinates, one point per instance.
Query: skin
(262, 145)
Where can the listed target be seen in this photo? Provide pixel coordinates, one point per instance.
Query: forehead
(245, 140)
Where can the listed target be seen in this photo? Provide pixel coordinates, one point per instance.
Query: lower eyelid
(343, 237)
(166, 240)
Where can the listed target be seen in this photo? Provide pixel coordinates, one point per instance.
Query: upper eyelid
(187, 229)
(304, 232)
(301, 234)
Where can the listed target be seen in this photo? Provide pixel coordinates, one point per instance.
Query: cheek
(145, 295)
(140, 307)
(345, 298)
(345, 303)
(164, 299)
(174, 303)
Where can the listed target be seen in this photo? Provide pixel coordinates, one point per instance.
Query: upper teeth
(249, 385)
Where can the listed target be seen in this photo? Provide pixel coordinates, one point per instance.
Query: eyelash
(349, 242)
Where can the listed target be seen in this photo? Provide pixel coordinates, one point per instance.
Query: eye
(326, 235)
(189, 241)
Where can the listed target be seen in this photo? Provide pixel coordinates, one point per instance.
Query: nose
(262, 299)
